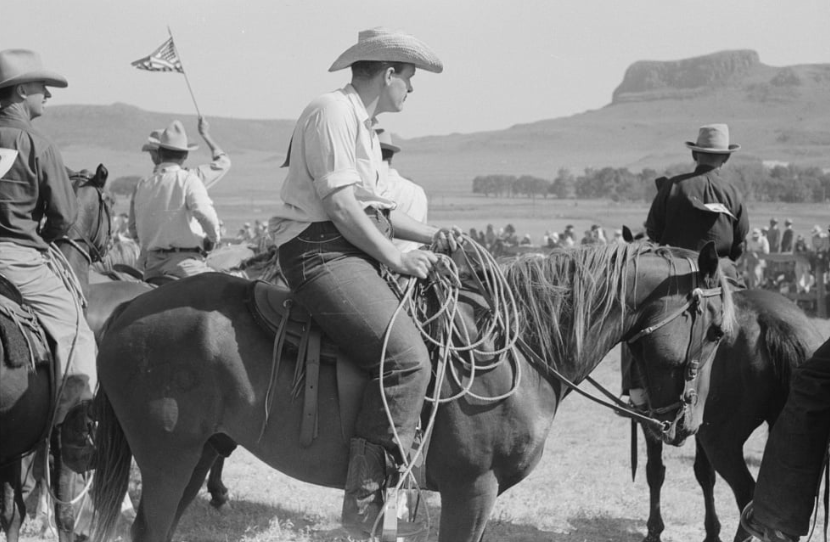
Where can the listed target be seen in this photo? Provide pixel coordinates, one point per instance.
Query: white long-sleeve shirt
(171, 209)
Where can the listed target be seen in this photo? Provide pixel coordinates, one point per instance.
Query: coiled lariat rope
(439, 328)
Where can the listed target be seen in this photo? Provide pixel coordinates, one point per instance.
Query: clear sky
(506, 61)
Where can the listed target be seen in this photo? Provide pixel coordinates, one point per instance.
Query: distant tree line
(785, 183)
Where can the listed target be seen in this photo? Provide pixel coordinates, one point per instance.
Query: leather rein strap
(695, 305)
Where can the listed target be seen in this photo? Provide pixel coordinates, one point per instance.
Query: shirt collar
(705, 168)
(164, 167)
(17, 112)
(359, 107)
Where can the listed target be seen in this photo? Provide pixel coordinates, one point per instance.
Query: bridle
(99, 238)
(695, 306)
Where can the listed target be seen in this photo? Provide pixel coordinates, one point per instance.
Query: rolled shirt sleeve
(212, 173)
(330, 148)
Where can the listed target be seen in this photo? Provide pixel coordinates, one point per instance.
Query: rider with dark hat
(38, 207)
(692, 209)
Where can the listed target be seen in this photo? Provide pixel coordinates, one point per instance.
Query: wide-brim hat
(383, 44)
(714, 139)
(385, 139)
(18, 66)
(152, 143)
(816, 230)
(174, 138)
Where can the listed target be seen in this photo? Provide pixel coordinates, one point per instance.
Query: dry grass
(580, 492)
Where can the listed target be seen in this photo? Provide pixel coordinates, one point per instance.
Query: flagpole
(184, 72)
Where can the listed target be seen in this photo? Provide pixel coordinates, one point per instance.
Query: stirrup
(392, 526)
(760, 531)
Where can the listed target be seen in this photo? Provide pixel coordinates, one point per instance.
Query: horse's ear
(707, 261)
(628, 237)
(100, 178)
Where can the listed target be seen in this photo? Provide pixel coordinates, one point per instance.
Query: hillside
(775, 113)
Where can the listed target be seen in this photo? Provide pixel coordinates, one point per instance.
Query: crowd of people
(499, 241)
(795, 275)
(346, 218)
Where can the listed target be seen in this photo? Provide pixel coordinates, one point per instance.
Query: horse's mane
(565, 299)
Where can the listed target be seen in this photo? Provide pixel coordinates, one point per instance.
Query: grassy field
(533, 217)
(582, 489)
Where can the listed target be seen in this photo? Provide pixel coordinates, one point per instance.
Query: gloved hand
(208, 245)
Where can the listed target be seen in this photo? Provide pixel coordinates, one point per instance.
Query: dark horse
(26, 396)
(748, 386)
(186, 362)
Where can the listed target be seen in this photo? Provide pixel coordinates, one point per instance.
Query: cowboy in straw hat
(210, 173)
(692, 209)
(335, 226)
(171, 215)
(409, 197)
(30, 195)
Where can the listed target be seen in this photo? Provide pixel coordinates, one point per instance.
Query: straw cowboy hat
(152, 141)
(714, 139)
(385, 139)
(18, 66)
(174, 138)
(383, 44)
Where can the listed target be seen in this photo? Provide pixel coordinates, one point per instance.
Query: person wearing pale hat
(409, 197)
(171, 215)
(39, 206)
(210, 173)
(756, 244)
(695, 208)
(333, 232)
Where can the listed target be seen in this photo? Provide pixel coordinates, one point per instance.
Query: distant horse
(186, 363)
(748, 386)
(26, 395)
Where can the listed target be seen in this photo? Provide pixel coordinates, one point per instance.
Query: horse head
(679, 326)
(91, 232)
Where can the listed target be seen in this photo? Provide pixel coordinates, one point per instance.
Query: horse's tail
(787, 345)
(112, 470)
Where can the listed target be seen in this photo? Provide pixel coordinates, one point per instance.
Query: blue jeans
(791, 467)
(342, 287)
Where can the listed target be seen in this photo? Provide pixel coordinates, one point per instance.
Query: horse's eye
(715, 333)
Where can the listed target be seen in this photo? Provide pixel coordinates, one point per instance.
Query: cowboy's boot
(369, 467)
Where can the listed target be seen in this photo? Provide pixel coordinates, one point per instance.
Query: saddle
(276, 312)
(21, 335)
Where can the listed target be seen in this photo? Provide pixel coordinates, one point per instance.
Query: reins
(695, 306)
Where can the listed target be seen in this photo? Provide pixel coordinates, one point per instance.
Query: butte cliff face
(648, 80)
(736, 74)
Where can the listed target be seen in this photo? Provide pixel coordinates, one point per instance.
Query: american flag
(163, 59)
